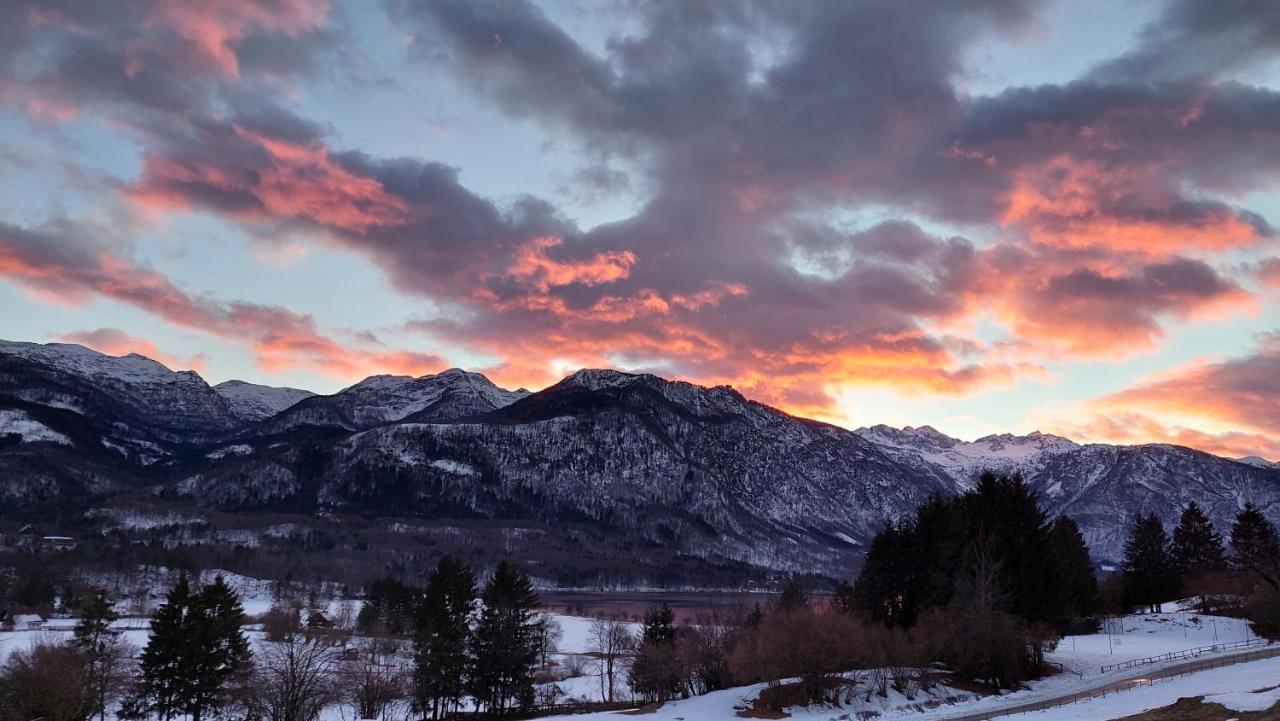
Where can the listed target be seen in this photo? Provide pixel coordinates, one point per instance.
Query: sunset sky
(985, 216)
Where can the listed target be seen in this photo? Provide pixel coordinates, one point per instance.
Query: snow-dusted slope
(254, 402)
(963, 461)
(632, 457)
(1103, 487)
(621, 457)
(141, 395)
(382, 399)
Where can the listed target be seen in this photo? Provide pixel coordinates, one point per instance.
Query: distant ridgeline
(604, 477)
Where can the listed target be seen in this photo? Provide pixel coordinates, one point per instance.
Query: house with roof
(28, 622)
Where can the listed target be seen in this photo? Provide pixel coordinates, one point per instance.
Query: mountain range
(616, 463)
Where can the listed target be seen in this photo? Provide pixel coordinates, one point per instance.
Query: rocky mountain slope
(616, 463)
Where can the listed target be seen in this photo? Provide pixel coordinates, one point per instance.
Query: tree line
(1194, 561)
(198, 662)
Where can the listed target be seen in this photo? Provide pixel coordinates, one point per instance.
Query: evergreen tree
(221, 651)
(1255, 546)
(100, 646)
(505, 644)
(1150, 574)
(196, 649)
(883, 591)
(793, 597)
(1076, 580)
(163, 671)
(1003, 509)
(656, 673)
(1197, 546)
(442, 637)
(659, 625)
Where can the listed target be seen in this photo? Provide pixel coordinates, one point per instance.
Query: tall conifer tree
(442, 639)
(1150, 574)
(505, 644)
(1197, 546)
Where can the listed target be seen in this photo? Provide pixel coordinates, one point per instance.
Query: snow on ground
(1147, 635)
(13, 421)
(1132, 637)
(577, 633)
(1235, 687)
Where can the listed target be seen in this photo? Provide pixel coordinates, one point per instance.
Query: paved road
(1122, 684)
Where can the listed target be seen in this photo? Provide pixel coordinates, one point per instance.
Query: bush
(48, 681)
(816, 648)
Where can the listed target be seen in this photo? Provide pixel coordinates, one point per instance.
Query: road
(1122, 684)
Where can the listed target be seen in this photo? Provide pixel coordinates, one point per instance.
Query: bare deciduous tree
(295, 678)
(611, 640)
(372, 682)
(550, 632)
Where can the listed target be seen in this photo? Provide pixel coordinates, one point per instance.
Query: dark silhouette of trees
(1150, 573)
(657, 673)
(1043, 570)
(1197, 545)
(1079, 584)
(442, 639)
(195, 654)
(105, 655)
(505, 644)
(1255, 546)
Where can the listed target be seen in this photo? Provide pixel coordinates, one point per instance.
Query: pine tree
(1150, 574)
(220, 649)
(1255, 546)
(1197, 546)
(162, 674)
(883, 591)
(656, 673)
(1076, 579)
(195, 649)
(100, 646)
(793, 597)
(442, 637)
(505, 644)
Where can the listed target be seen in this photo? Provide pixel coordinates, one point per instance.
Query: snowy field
(1082, 657)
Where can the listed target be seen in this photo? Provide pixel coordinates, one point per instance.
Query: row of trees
(198, 661)
(1194, 561)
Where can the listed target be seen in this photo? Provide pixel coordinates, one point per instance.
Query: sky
(990, 216)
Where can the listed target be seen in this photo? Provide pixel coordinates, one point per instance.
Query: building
(28, 622)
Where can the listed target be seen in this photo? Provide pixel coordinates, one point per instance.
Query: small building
(28, 622)
(318, 620)
(58, 543)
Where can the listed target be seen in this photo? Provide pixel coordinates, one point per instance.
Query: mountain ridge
(629, 460)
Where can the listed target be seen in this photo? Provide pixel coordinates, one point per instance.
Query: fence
(565, 709)
(1186, 653)
(1122, 685)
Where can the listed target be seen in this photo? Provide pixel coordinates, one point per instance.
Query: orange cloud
(1134, 428)
(65, 267)
(217, 27)
(1084, 203)
(1226, 406)
(297, 180)
(534, 265)
(114, 341)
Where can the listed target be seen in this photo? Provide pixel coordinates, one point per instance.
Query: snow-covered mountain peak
(1258, 462)
(596, 378)
(82, 361)
(379, 382)
(254, 402)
